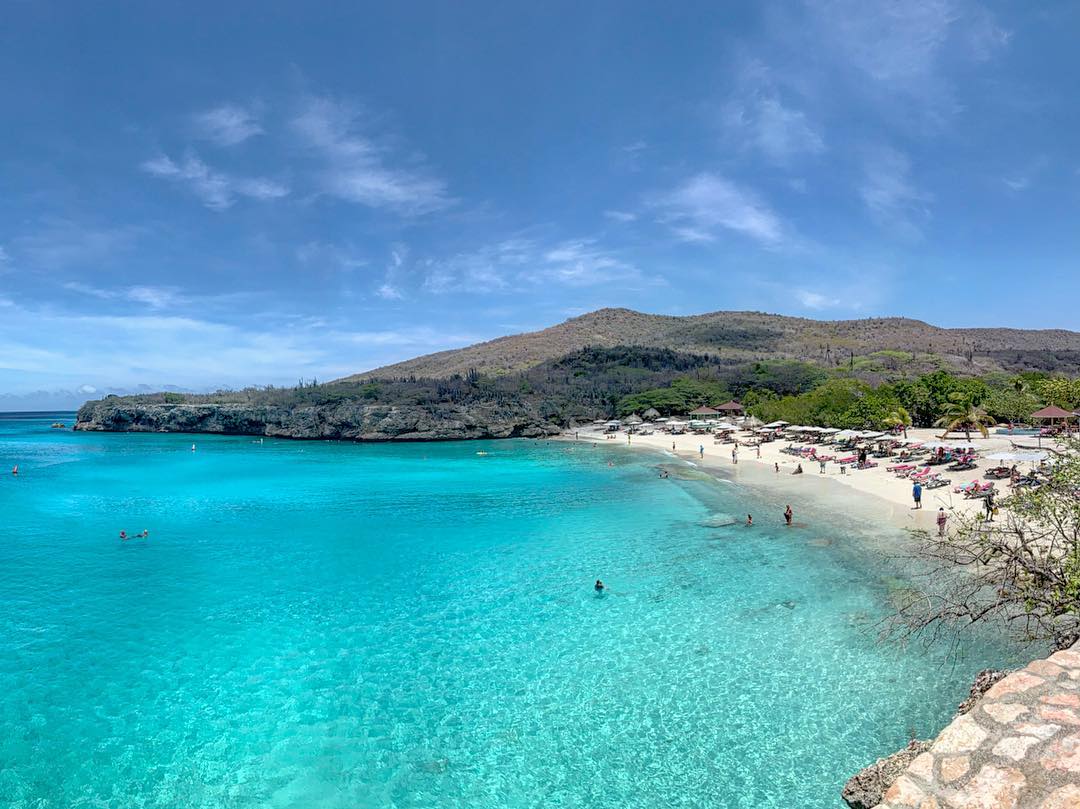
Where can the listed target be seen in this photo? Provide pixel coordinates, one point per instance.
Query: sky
(196, 195)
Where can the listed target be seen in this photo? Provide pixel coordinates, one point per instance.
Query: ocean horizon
(329, 624)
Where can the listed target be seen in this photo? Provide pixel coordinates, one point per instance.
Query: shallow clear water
(335, 625)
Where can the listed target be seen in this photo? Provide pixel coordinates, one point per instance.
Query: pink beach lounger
(900, 467)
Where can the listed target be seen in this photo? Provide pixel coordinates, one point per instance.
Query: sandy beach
(877, 489)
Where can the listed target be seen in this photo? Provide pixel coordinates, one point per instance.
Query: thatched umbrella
(650, 414)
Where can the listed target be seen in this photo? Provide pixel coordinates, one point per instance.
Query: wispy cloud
(621, 216)
(57, 243)
(356, 168)
(216, 189)
(707, 203)
(521, 264)
(905, 48)
(757, 117)
(890, 194)
(227, 125)
(153, 297)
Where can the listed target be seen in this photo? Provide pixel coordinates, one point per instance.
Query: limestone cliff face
(353, 421)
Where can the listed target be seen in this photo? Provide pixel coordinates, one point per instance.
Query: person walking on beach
(735, 454)
(757, 449)
(822, 465)
(942, 518)
(788, 514)
(916, 494)
(672, 446)
(776, 466)
(701, 450)
(989, 504)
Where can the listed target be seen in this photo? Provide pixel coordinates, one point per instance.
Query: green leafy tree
(1022, 569)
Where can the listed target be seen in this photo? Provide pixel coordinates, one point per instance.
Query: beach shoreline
(874, 493)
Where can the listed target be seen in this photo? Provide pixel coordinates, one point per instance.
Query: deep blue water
(335, 625)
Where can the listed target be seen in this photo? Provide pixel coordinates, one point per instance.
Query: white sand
(876, 488)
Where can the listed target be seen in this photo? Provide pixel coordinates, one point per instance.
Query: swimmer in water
(144, 535)
(599, 586)
(749, 519)
(192, 447)
(15, 470)
(123, 535)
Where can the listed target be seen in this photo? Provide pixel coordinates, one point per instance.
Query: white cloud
(519, 264)
(621, 216)
(708, 203)
(389, 292)
(355, 167)
(815, 300)
(890, 194)
(217, 190)
(758, 118)
(227, 125)
(582, 263)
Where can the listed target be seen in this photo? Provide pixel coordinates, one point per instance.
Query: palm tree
(899, 418)
(960, 413)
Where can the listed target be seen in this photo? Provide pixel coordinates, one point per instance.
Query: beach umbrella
(651, 414)
(775, 424)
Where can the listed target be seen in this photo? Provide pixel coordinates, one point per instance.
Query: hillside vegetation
(880, 346)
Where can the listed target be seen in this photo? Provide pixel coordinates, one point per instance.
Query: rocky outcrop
(350, 420)
(867, 787)
(984, 681)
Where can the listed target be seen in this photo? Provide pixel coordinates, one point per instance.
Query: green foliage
(843, 403)
(681, 396)
(961, 413)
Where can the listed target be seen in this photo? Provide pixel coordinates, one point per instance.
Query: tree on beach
(1021, 569)
(899, 418)
(961, 413)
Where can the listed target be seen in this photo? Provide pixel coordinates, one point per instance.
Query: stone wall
(1017, 748)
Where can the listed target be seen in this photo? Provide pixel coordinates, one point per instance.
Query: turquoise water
(333, 625)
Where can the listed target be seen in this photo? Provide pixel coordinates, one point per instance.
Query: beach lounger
(901, 467)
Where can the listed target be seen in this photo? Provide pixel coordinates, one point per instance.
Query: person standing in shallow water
(749, 519)
(916, 494)
(788, 515)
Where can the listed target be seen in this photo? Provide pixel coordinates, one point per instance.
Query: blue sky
(203, 194)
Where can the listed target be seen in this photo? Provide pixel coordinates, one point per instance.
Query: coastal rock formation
(355, 421)
(1017, 747)
(984, 681)
(867, 787)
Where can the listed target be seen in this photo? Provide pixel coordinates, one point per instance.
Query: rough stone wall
(1017, 748)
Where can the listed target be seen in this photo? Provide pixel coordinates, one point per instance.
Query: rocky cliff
(355, 421)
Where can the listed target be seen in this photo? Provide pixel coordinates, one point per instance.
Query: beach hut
(635, 419)
(730, 408)
(703, 412)
(1052, 414)
(652, 414)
